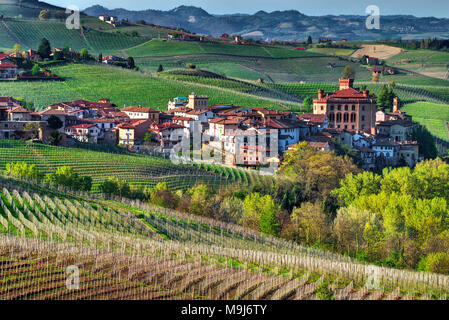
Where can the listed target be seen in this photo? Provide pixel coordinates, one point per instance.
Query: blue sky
(436, 8)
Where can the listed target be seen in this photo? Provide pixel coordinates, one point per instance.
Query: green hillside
(174, 48)
(137, 169)
(94, 82)
(432, 115)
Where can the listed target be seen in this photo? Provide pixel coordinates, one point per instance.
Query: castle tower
(346, 83)
(396, 104)
(198, 102)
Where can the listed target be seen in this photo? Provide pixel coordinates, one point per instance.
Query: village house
(132, 132)
(142, 113)
(87, 133)
(8, 70)
(112, 59)
(112, 20)
(167, 134)
(178, 102)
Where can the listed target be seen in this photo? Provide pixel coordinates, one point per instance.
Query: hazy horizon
(435, 8)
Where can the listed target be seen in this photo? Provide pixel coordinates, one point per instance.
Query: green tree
(348, 72)
(307, 103)
(259, 213)
(437, 263)
(35, 71)
(54, 122)
(23, 171)
(44, 49)
(383, 98)
(58, 55)
(160, 68)
(131, 63)
(55, 138)
(33, 128)
(66, 176)
(309, 40)
(17, 49)
(200, 200)
(116, 187)
(84, 54)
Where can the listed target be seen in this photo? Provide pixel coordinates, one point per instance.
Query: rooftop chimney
(320, 94)
(346, 83)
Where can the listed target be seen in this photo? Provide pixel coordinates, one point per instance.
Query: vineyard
(139, 170)
(30, 32)
(123, 87)
(132, 250)
(432, 115)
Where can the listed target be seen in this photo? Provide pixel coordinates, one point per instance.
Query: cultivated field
(382, 52)
(432, 115)
(124, 87)
(144, 252)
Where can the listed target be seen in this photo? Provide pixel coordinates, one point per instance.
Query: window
(346, 108)
(353, 108)
(332, 108)
(363, 118)
(339, 107)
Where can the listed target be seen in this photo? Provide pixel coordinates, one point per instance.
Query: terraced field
(144, 252)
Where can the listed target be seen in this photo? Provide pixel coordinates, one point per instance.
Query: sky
(419, 8)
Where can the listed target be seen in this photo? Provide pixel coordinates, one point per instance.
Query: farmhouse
(112, 59)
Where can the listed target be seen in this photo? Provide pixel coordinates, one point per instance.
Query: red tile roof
(139, 109)
(7, 65)
(82, 126)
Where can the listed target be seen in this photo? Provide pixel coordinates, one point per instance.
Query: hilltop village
(250, 137)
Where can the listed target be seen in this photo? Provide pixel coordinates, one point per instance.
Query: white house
(83, 132)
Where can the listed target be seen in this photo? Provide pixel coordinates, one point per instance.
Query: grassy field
(432, 115)
(159, 48)
(123, 87)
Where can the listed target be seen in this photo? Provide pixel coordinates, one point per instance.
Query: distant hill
(284, 25)
(25, 8)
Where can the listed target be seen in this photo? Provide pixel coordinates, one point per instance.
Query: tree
(66, 176)
(54, 122)
(259, 213)
(116, 187)
(17, 49)
(131, 63)
(160, 68)
(148, 137)
(348, 72)
(55, 138)
(309, 223)
(84, 54)
(309, 40)
(44, 49)
(44, 15)
(22, 170)
(383, 98)
(437, 263)
(426, 142)
(307, 103)
(100, 58)
(35, 71)
(200, 202)
(33, 128)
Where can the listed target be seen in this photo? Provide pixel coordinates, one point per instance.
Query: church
(348, 108)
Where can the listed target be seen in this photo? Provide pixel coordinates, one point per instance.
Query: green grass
(94, 82)
(138, 170)
(431, 115)
(159, 48)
